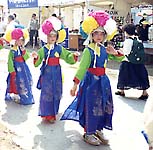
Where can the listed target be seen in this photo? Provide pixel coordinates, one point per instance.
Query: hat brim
(61, 35)
(99, 29)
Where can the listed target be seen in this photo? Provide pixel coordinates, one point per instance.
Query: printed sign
(22, 3)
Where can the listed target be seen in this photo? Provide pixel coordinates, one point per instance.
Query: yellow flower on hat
(109, 37)
(89, 24)
(61, 36)
(7, 35)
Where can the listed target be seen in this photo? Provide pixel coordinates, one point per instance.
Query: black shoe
(143, 97)
(120, 93)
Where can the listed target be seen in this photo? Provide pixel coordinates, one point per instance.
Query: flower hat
(11, 35)
(52, 25)
(98, 19)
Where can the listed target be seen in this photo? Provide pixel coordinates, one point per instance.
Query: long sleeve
(115, 58)
(10, 62)
(38, 60)
(68, 56)
(127, 46)
(84, 65)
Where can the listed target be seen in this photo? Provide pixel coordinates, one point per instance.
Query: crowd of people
(93, 104)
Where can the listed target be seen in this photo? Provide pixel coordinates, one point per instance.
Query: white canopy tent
(59, 2)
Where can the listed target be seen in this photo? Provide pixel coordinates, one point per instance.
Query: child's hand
(73, 90)
(77, 54)
(110, 50)
(120, 52)
(34, 54)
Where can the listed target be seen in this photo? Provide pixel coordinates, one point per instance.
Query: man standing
(33, 30)
(15, 18)
(11, 23)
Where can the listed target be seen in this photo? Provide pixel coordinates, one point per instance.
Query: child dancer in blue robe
(50, 81)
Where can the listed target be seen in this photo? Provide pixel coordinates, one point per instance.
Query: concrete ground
(33, 134)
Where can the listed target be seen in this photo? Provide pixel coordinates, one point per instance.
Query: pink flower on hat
(17, 34)
(100, 16)
(47, 27)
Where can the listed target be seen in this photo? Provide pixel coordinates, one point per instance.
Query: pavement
(33, 134)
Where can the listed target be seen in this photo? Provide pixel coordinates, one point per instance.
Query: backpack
(137, 54)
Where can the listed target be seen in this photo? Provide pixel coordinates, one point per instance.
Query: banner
(57, 2)
(22, 3)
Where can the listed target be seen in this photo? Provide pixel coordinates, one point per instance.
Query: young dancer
(93, 105)
(50, 81)
(19, 80)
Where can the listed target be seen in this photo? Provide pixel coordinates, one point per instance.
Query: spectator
(16, 20)
(143, 18)
(54, 15)
(11, 23)
(33, 30)
(143, 31)
(131, 75)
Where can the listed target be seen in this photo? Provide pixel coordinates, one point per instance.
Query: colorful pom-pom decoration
(98, 19)
(100, 16)
(83, 34)
(62, 36)
(7, 35)
(110, 26)
(42, 35)
(89, 24)
(47, 27)
(110, 36)
(57, 24)
(19, 26)
(11, 35)
(17, 34)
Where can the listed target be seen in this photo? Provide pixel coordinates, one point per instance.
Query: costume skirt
(93, 105)
(51, 91)
(132, 76)
(23, 81)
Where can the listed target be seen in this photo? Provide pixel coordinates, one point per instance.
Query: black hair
(33, 15)
(81, 22)
(129, 29)
(14, 15)
(11, 17)
(54, 15)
